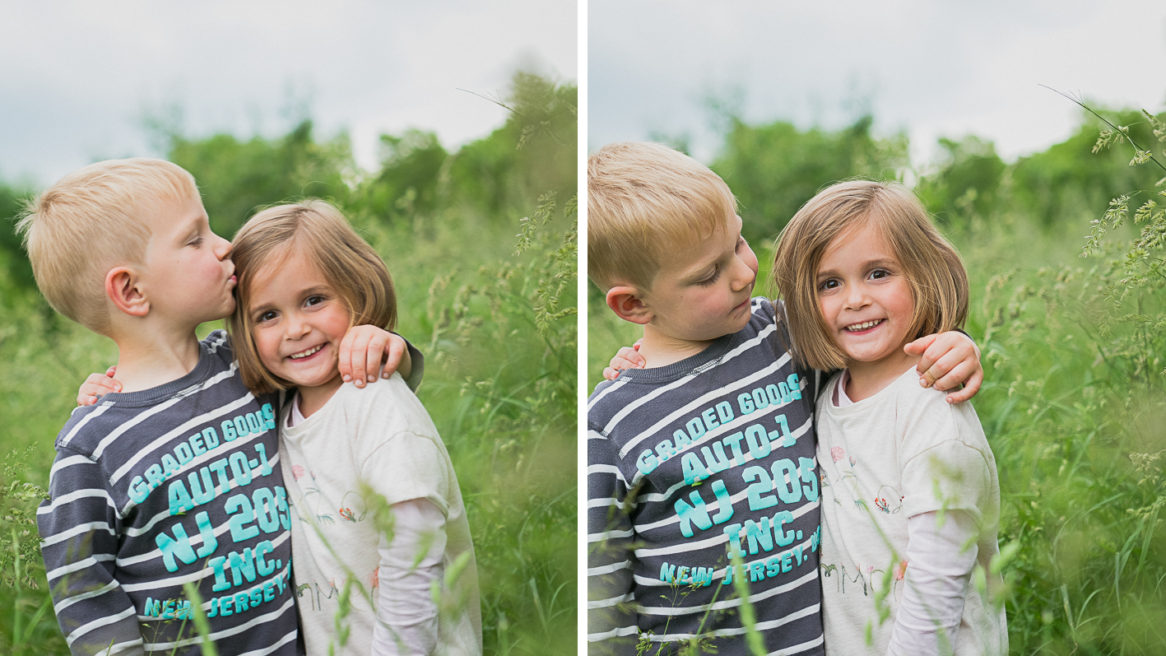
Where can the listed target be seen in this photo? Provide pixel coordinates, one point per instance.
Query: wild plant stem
(1106, 121)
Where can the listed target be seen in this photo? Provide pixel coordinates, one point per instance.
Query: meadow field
(1068, 305)
(481, 243)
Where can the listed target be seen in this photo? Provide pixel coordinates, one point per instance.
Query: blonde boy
(174, 481)
(703, 488)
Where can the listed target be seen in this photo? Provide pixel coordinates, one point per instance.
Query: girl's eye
(879, 273)
(827, 284)
(265, 316)
(314, 299)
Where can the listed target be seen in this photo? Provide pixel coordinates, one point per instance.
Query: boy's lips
(748, 300)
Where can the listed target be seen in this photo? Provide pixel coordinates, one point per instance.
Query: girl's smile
(306, 354)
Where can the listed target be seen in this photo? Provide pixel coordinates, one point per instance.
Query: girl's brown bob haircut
(346, 261)
(938, 281)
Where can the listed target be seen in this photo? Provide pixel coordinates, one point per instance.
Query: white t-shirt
(900, 453)
(377, 440)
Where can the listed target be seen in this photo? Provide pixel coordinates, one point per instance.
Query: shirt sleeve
(945, 462)
(409, 466)
(407, 614)
(940, 559)
(611, 616)
(418, 360)
(78, 529)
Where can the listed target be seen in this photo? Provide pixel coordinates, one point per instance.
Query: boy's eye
(196, 242)
(704, 282)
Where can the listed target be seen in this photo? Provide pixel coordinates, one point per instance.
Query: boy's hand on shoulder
(628, 357)
(367, 349)
(946, 361)
(98, 385)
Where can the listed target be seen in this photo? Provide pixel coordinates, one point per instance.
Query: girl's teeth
(862, 326)
(306, 353)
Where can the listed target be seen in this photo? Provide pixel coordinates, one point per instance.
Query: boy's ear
(121, 287)
(625, 301)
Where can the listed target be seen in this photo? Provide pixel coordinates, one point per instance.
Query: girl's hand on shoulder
(628, 357)
(367, 350)
(98, 385)
(947, 361)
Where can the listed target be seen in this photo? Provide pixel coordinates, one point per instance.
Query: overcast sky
(930, 68)
(78, 77)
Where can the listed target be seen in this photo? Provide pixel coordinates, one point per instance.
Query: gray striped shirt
(151, 490)
(689, 466)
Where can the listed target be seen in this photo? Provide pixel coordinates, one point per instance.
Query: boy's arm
(79, 547)
(948, 360)
(362, 350)
(611, 614)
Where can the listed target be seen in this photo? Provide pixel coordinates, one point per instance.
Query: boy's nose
(745, 269)
(745, 275)
(222, 247)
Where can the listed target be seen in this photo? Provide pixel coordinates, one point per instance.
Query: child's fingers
(358, 358)
(949, 373)
(627, 357)
(944, 354)
(96, 386)
(922, 348)
(343, 362)
(948, 369)
(350, 359)
(394, 350)
(918, 346)
(610, 373)
(374, 355)
(970, 388)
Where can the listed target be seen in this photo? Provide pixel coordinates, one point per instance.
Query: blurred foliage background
(1066, 252)
(481, 243)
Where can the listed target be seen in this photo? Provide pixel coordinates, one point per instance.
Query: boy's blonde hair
(934, 272)
(643, 201)
(92, 220)
(346, 261)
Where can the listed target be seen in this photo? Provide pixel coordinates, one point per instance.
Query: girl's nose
(856, 296)
(296, 326)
